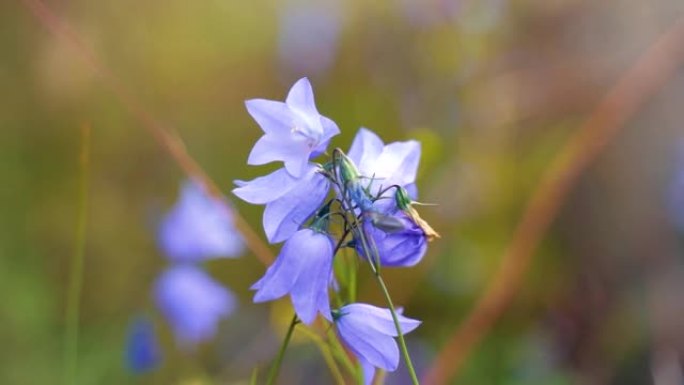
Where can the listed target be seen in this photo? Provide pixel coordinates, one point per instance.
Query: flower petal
(365, 149)
(284, 216)
(364, 316)
(368, 371)
(310, 292)
(399, 160)
(293, 151)
(273, 117)
(294, 259)
(301, 99)
(378, 349)
(266, 188)
(403, 248)
(403, 159)
(330, 129)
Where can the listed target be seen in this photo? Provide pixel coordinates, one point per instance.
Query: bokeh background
(492, 89)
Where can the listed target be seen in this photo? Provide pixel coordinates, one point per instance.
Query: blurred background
(491, 88)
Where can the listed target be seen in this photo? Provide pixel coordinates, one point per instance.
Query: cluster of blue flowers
(371, 190)
(197, 228)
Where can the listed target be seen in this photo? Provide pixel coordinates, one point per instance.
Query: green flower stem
(373, 261)
(359, 374)
(349, 278)
(327, 353)
(390, 304)
(253, 378)
(340, 353)
(402, 342)
(273, 373)
(77, 262)
(376, 272)
(352, 278)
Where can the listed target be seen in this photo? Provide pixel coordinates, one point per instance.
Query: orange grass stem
(164, 136)
(622, 102)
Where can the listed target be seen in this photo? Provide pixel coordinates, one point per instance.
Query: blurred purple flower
(303, 269)
(198, 227)
(367, 331)
(309, 35)
(192, 302)
(289, 201)
(294, 131)
(387, 165)
(403, 248)
(142, 347)
(675, 198)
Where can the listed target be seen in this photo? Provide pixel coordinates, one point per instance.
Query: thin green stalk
(327, 355)
(77, 262)
(253, 378)
(352, 277)
(359, 375)
(340, 353)
(402, 342)
(273, 373)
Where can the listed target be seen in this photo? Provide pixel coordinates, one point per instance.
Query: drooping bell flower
(302, 270)
(192, 302)
(369, 332)
(198, 227)
(397, 248)
(289, 201)
(294, 131)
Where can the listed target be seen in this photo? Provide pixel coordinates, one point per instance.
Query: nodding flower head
(401, 246)
(368, 331)
(303, 269)
(294, 131)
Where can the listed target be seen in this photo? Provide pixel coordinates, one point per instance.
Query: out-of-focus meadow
(493, 89)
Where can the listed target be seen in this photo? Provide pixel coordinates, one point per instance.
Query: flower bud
(351, 182)
(405, 204)
(348, 171)
(402, 198)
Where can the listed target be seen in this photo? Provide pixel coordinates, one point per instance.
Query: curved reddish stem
(624, 100)
(163, 135)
